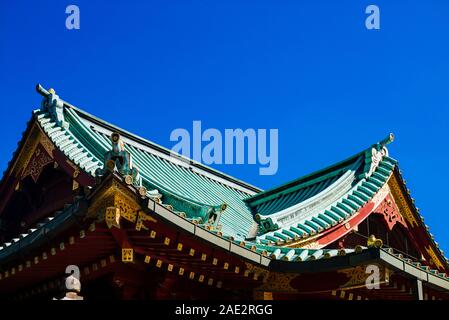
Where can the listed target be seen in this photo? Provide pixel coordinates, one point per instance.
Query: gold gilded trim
(361, 276)
(34, 138)
(434, 258)
(400, 200)
(114, 195)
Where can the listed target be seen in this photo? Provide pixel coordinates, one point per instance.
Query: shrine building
(140, 223)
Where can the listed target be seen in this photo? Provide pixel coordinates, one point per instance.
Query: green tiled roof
(192, 189)
(188, 188)
(326, 214)
(319, 201)
(297, 209)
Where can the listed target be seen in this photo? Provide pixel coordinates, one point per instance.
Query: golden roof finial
(373, 242)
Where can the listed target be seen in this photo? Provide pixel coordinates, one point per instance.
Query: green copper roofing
(324, 214)
(301, 191)
(319, 201)
(294, 210)
(187, 186)
(185, 189)
(297, 209)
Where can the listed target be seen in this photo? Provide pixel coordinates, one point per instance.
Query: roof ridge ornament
(373, 242)
(375, 154)
(382, 144)
(120, 160)
(53, 105)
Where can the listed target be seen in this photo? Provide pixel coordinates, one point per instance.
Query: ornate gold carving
(115, 195)
(380, 195)
(400, 200)
(128, 209)
(35, 137)
(257, 271)
(434, 258)
(141, 218)
(390, 212)
(38, 161)
(358, 276)
(27, 151)
(373, 242)
(277, 282)
(311, 244)
(127, 255)
(112, 217)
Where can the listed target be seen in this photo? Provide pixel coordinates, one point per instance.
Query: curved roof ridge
(156, 147)
(190, 187)
(319, 173)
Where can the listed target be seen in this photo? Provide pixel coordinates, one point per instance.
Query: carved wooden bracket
(390, 213)
(112, 217)
(113, 201)
(36, 153)
(113, 195)
(360, 276)
(278, 282)
(38, 161)
(403, 205)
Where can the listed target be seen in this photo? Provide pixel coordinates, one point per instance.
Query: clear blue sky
(309, 68)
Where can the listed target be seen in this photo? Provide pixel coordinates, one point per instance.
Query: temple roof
(185, 191)
(188, 186)
(321, 200)
(194, 189)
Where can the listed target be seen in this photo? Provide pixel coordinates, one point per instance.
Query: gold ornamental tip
(370, 241)
(378, 243)
(373, 242)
